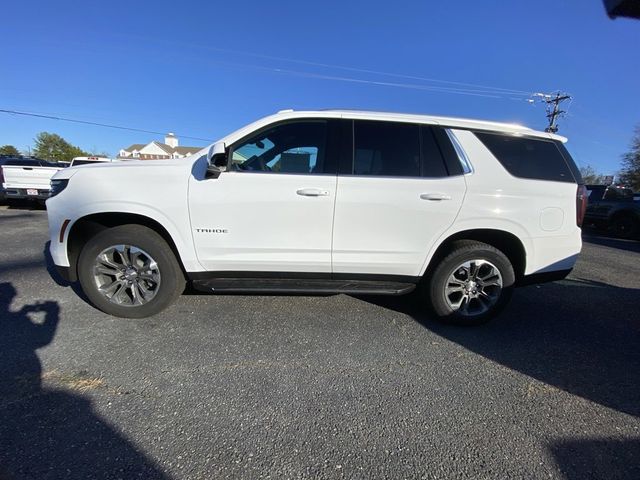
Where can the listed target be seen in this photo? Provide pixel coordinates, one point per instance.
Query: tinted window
(527, 157)
(618, 194)
(287, 148)
(86, 162)
(594, 192)
(451, 158)
(432, 161)
(386, 149)
(570, 163)
(24, 163)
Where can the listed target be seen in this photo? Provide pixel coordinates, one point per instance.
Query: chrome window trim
(467, 167)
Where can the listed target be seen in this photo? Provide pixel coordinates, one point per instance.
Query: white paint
(17, 176)
(383, 226)
(551, 219)
(270, 227)
(380, 225)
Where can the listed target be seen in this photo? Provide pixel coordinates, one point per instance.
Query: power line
(410, 86)
(375, 72)
(85, 122)
(500, 90)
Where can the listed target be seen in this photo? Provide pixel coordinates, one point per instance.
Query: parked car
(77, 161)
(25, 177)
(613, 208)
(459, 211)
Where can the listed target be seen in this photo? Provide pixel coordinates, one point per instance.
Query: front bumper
(66, 274)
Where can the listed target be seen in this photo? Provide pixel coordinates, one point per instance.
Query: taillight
(1, 176)
(581, 203)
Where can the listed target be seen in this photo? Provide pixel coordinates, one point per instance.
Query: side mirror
(216, 159)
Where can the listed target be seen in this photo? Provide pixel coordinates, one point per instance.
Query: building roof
(187, 150)
(135, 146)
(165, 148)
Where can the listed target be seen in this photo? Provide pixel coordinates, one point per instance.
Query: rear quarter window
(526, 157)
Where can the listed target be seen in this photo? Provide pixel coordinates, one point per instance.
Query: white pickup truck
(26, 179)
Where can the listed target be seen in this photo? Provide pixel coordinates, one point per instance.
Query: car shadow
(25, 205)
(612, 242)
(46, 432)
(575, 335)
(598, 458)
(57, 278)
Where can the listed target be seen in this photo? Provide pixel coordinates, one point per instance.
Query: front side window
(288, 148)
(386, 149)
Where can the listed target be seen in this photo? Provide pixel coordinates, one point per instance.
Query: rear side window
(24, 163)
(528, 157)
(432, 162)
(386, 149)
(618, 194)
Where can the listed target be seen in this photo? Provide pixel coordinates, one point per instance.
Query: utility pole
(553, 108)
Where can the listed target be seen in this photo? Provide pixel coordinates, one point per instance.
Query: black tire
(625, 226)
(465, 251)
(172, 278)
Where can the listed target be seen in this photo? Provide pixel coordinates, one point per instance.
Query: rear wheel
(471, 285)
(130, 271)
(625, 226)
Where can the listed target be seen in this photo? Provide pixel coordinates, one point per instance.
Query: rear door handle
(436, 197)
(312, 192)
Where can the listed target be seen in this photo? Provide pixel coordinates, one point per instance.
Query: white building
(156, 150)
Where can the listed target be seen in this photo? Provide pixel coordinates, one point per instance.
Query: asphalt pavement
(318, 387)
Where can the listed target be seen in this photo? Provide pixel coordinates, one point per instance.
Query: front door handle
(436, 197)
(312, 192)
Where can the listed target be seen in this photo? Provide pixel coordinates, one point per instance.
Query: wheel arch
(505, 241)
(90, 225)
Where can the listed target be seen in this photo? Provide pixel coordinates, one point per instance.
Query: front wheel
(471, 285)
(130, 271)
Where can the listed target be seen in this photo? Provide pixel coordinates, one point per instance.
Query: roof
(187, 150)
(135, 146)
(165, 148)
(452, 122)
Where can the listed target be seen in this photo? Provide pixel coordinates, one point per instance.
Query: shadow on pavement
(612, 242)
(47, 433)
(598, 458)
(24, 205)
(55, 276)
(578, 336)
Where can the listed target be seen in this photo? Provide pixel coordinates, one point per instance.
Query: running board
(299, 286)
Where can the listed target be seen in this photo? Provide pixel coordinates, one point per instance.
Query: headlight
(57, 186)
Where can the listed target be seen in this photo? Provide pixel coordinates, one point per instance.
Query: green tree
(630, 173)
(591, 176)
(9, 150)
(52, 146)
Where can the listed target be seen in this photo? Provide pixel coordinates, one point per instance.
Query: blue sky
(204, 69)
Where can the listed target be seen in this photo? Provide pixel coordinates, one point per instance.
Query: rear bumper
(544, 277)
(22, 193)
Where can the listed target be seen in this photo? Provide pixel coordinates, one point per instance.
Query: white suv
(327, 202)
